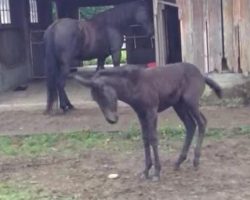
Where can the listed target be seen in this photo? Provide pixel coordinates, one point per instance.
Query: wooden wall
(14, 54)
(215, 34)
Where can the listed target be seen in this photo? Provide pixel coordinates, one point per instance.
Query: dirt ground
(89, 117)
(224, 173)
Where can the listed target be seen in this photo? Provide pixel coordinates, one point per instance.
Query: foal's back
(169, 84)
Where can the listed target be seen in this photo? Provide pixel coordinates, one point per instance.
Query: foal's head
(104, 95)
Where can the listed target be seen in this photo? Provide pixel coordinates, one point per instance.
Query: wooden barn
(211, 34)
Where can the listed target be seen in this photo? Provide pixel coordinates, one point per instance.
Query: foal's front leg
(148, 122)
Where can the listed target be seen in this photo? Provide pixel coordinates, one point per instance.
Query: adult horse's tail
(51, 66)
(214, 86)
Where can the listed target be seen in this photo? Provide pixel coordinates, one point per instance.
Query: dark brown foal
(149, 91)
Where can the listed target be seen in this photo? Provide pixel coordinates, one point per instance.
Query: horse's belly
(164, 106)
(94, 52)
(93, 55)
(168, 101)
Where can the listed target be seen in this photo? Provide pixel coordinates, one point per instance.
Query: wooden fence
(215, 34)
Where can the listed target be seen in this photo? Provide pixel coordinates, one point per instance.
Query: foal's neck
(123, 87)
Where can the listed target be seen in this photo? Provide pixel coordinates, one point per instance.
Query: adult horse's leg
(51, 66)
(190, 126)
(116, 57)
(115, 40)
(52, 93)
(100, 63)
(148, 121)
(64, 101)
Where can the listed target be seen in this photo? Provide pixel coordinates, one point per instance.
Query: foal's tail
(51, 69)
(214, 86)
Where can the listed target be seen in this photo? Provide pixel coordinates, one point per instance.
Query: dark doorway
(173, 34)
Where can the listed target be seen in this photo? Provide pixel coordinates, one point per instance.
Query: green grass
(46, 143)
(13, 191)
(243, 130)
(43, 144)
(108, 61)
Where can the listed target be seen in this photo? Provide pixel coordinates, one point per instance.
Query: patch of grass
(215, 133)
(13, 191)
(172, 132)
(243, 130)
(108, 61)
(45, 143)
(133, 132)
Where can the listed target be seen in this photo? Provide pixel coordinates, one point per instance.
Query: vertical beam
(215, 35)
(156, 31)
(244, 36)
(230, 39)
(198, 34)
(186, 21)
(160, 39)
(236, 30)
(26, 28)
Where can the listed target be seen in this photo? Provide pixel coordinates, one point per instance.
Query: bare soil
(89, 117)
(224, 173)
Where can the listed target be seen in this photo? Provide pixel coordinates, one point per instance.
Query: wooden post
(156, 32)
(160, 38)
(244, 36)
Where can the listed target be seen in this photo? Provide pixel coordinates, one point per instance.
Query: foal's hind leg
(190, 126)
(201, 122)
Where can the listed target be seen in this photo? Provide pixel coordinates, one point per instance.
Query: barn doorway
(173, 34)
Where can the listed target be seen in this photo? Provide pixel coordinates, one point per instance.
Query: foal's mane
(119, 14)
(129, 72)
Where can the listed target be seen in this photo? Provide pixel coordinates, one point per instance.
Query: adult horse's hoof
(67, 108)
(47, 112)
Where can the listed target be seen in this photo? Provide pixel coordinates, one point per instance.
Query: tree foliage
(89, 12)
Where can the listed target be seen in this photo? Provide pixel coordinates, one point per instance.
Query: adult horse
(69, 41)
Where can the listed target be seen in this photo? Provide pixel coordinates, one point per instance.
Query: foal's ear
(83, 81)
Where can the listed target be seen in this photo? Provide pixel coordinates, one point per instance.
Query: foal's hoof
(155, 178)
(176, 167)
(143, 176)
(196, 164)
(71, 107)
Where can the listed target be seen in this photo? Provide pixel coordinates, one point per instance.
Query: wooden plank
(186, 18)
(236, 24)
(214, 35)
(198, 34)
(230, 36)
(156, 32)
(244, 36)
